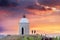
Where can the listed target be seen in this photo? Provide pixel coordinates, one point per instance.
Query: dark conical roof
(24, 16)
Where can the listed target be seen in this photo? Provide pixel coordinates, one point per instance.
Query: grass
(30, 37)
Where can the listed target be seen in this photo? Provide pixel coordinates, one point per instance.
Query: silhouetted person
(50, 38)
(32, 31)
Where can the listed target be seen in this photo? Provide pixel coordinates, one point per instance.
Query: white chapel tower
(24, 26)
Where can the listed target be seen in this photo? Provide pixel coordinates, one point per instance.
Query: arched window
(22, 30)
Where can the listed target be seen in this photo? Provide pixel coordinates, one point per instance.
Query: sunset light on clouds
(44, 18)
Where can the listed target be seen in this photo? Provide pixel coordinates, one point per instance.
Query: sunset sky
(43, 15)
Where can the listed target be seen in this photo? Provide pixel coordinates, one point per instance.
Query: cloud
(49, 2)
(12, 12)
(1, 29)
(3, 3)
(9, 3)
(36, 7)
(6, 3)
(18, 10)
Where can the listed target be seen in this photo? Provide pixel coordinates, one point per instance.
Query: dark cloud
(26, 3)
(15, 3)
(3, 2)
(30, 4)
(49, 2)
(6, 3)
(38, 7)
(13, 12)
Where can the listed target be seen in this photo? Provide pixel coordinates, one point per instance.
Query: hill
(29, 37)
(10, 38)
(16, 37)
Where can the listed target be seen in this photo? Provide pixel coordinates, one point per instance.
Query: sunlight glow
(54, 9)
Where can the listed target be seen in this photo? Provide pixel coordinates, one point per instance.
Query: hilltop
(28, 37)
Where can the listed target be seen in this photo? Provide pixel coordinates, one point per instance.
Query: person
(32, 31)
